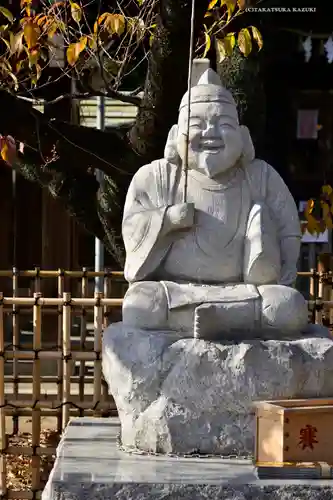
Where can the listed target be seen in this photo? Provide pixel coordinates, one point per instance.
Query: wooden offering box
(294, 431)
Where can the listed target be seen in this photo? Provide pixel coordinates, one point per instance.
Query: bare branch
(112, 94)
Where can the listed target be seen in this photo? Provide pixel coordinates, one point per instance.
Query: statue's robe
(212, 252)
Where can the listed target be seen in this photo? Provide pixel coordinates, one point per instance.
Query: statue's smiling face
(215, 140)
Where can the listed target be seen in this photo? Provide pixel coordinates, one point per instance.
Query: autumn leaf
(52, 29)
(212, 4)
(8, 149)
(229, 43)
(76, 12)
(225, 46)
(309, 207)
(27, 4)
(220, 49)
(327, 216)
(208, 44)
(244, 41)
(74, 50)
(31, 34)
(327, 190)
(92, 42)
(7, 14)
(33, 57)
(231, 5)
(241, 4)
(115, 23)
(313, 226)
(257, 37)
(16, 42)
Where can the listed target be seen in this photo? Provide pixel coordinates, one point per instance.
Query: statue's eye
(226, 125)
(195, 124)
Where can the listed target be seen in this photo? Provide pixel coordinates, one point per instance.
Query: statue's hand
(180, 216)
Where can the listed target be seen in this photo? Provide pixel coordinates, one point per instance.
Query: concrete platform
(90, 466)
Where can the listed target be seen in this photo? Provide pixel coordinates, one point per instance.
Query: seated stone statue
(224, 262)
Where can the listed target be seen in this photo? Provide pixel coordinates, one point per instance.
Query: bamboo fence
(64, 403)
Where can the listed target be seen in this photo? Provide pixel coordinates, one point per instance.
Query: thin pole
(99, 247)
(14, 212)
(190, 66)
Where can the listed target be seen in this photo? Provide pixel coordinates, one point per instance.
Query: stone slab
(90, 466)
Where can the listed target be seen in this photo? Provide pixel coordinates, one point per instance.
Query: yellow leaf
(212, 4)
(52, 29)
(229, 43)
(257, 37)
(327, 217)
(244, 41)
(241, 4)
(25, 2)
(7, 14)
(115, 23)
(231, 5)
(31, 34)
(208, 44)
(33, 57)
(313, 226)
(92, 42)
(220, 49)
(74, 50)
(76, 12)
(309, 208)
(151, 39)
(225, 46)
(4, 151)
(327, 189)
(16, 43)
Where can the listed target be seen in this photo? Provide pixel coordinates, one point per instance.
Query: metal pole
(14, 212)
(190, 68)
(99, 247)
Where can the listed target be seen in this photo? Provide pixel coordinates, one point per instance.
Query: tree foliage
(111, 42)
(103, 45)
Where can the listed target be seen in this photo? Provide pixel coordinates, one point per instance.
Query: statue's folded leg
(277, 312)
(145, 306)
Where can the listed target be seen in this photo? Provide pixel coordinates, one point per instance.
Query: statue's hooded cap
(210, 89)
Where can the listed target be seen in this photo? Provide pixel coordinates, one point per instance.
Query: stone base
(89, 466)
(187, 395)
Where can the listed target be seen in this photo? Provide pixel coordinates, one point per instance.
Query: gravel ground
(18, 468)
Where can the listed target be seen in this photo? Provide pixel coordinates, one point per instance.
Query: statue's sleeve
(285, 214)
(145, 210)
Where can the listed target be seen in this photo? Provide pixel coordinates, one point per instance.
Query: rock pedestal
(186, 395)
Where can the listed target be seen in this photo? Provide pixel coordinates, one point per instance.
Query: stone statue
(224, 262)
(211, 321)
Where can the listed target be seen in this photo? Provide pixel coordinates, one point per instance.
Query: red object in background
(7, 149)
(307, 124)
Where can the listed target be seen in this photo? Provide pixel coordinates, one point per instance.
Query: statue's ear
(170, 150)
(248, 153)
